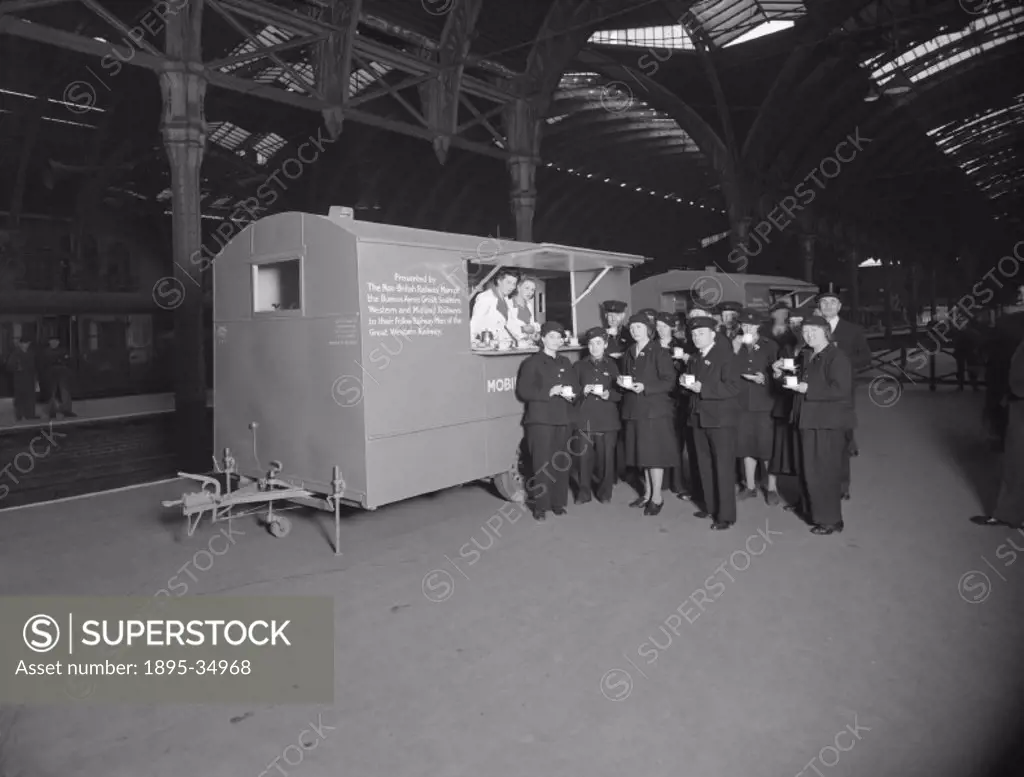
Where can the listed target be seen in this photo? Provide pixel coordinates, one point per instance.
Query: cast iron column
(523, 131)
(807, 256)
(184, 132)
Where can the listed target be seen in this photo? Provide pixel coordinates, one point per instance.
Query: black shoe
(639, 502)
(653, 508)
(720, 525)
(826, 530)
(683, 495)
(540, 515)
(583, 500)
(846, 496)
(746, 493)
(702, 514)
(560, 511)
(988, 520)
(603, 501)
(772, 498)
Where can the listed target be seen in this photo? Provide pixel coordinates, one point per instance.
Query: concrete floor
(536, 664)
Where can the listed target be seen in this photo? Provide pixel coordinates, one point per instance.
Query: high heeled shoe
(653, 508)
(638, 502)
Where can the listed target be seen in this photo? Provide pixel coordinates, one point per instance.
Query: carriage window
(277, 286)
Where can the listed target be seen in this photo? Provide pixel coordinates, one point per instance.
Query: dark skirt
(651, 443)
(755, 435)
(785, 450)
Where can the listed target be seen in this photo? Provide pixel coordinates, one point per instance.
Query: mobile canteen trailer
(346, 344)
(673, 291)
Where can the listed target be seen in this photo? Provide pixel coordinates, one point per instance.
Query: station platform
(905, 629)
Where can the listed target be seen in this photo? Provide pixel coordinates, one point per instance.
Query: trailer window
(277, 286)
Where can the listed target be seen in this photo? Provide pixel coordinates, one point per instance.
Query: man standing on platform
(22, 366)
(614, 311)
(55, 367)
(1010, 505)
(852, 341)
(712, 380)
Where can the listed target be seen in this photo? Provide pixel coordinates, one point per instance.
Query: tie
(503, 307)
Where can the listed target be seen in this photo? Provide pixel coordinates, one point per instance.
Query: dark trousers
(716, 460)
(60, 397)
(24, 397)
(550, 463)
(692, 463)
(849, 448)
(1010, 507)
(822, 452)
(597, 461)
(963, 369)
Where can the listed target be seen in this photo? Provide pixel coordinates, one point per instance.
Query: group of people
(504, 313)
(49, 370)
(696, 403)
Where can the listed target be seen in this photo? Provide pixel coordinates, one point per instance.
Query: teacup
(678, 353)
(748, 339)
(788, 364)
(791, 381)
(688, 380)
(627, 381)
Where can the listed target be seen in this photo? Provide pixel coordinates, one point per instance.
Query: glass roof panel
(670, 37)
(984, 143)
(924, 60)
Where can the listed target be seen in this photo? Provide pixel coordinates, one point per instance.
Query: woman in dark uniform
(822, 412)
(665, 329)
(648, 379)
(755, 430)
(597, 417)
(784, 460)
(547, 384)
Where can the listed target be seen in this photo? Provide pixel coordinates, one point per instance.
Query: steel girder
(441, 95)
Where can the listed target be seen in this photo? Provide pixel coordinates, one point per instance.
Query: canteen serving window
(277, 286)
(566, 277)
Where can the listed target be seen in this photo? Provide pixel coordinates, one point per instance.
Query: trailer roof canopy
(548, 257)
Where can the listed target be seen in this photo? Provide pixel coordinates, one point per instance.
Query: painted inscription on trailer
(412, 306)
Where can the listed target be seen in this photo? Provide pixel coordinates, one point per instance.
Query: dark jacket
(853, 342)
(1017, 374)
(618, 344)
(594, 414)
(827, 403)
(537, 376)
(756, 398)
(22, 367)
(717, 405)
(653, 367)
(782, 407)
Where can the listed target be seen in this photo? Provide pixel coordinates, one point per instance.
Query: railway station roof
(655, 111)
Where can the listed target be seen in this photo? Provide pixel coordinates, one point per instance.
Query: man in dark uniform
(22, 366)
(779, 326)
(618, 343)
(852, 341)
(55, 367)
(547, 384)
(1010, 505)
(711, 378)
(730, 312)
(618, 338)
(597, 418)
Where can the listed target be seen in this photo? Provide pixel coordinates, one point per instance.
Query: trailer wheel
(278, 525)
(510, 486)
